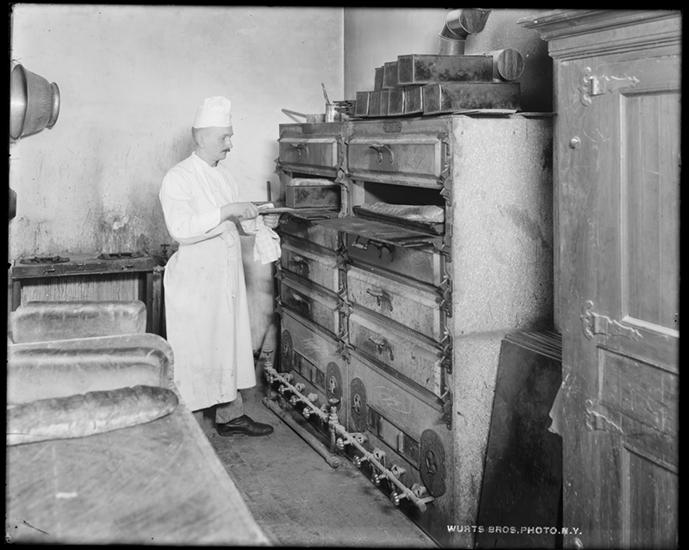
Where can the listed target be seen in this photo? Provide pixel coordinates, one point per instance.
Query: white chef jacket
(207, 314)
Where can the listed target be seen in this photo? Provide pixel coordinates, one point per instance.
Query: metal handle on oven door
(299, 147)
(300, 303)
(381, 345)
(302, 264)
(380, 296)
(358, 243)
(379, 148)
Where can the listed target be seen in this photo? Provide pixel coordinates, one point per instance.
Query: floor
(298, 500)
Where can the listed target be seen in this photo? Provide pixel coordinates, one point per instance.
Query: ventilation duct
(458, 25)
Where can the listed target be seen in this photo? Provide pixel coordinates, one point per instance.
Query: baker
(207, 314)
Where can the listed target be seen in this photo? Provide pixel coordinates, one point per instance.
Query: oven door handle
(381, 296)
(380, 148)
(299, 302)
(300, 147)
(381, 345)
(299, 263)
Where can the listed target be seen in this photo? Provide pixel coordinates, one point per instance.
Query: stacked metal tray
(430, 84)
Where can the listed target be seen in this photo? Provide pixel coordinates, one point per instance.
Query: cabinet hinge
(594, 85)
(598, 419)
(593, 324)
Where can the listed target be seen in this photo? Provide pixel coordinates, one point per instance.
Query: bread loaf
(87, 414)
(34, 374)
(43, 321)
(412, 212)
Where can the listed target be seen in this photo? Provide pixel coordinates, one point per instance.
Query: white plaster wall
(373, 36)
(130, 79)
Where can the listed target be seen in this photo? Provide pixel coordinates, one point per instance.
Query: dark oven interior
(417, 207)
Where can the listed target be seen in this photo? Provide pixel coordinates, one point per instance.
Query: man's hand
(271, 220)
(238, 211)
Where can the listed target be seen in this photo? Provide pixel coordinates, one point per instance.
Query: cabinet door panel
(410, 156)
(412, 306)
(300, 153)
(310, 303)
(402, 352)
(619, 224)
(322, 236)
(320, 268)
(399, 404)
(422, 265)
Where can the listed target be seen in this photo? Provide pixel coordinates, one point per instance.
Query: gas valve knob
(282, 389)
(378, 477)
(419, 490)
(379, 455)
(299, 386)
(334, 402)
(306, 412)
(397, 471)
(359, 460)
(293, 400)
(340, 444)
(396, 497)
(359, 438)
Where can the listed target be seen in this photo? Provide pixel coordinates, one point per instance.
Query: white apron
(206, 309)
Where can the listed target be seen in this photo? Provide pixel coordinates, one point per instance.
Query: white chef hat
(214, 111)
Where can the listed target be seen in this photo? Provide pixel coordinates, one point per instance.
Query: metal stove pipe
(458, 25)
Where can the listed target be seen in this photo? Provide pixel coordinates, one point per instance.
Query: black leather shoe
(243, 425)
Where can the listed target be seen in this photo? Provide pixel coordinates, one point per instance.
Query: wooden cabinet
(617, 180)
(442, 246)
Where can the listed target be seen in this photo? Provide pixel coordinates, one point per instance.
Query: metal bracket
(445, 293)
(440, 246)
(341, 154)
(343, 348)
(344, 307)
(594, 85)
(594, 323)
(446, 351)
(444, 178)
(342, 260)
(447, 409)
(597, 419)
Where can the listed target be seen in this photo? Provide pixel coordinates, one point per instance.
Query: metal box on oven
(312, 192)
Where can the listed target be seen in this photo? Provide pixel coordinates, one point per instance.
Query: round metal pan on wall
(34, 103)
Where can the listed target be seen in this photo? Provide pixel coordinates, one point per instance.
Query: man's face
(216, 142)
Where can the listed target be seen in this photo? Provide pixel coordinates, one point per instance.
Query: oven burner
(44, 260)
(119, 255)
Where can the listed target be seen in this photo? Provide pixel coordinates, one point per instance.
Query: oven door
(375, 231)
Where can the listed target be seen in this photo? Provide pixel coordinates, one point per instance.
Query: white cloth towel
(266, 241)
